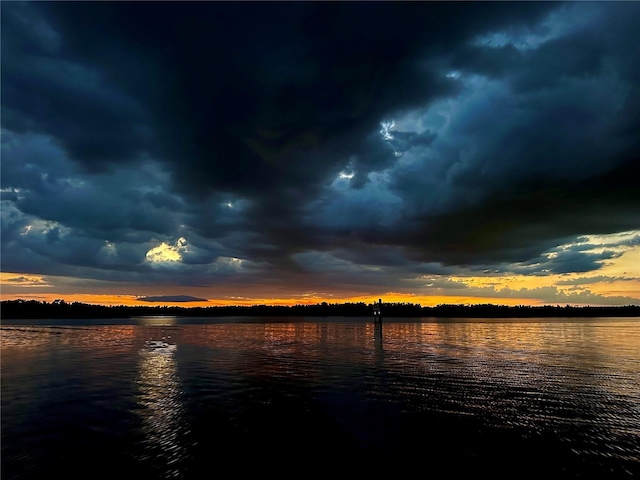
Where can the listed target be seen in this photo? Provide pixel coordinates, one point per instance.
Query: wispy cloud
(171, 298)
(598, 279)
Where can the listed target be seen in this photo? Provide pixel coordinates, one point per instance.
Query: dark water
(300, 396)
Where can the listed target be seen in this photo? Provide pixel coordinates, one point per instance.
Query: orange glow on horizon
(128, 300)
(509, 290)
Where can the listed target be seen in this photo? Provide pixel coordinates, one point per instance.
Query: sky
(215, 153)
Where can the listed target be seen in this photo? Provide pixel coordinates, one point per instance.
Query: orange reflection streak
(112, 338)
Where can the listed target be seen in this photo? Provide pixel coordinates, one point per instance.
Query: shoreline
(33, 309)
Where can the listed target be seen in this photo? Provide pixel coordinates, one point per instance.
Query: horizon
(299, 153)
(59, 302)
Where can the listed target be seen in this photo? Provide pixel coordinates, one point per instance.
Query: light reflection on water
(568, 388)
(161, 409)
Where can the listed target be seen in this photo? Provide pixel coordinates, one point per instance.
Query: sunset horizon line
(213, 304)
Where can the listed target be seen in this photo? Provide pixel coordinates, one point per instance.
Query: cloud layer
(208, 143)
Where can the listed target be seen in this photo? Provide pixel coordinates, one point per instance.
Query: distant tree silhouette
(32, 309)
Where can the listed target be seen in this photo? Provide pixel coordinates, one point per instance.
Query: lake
(507, 397)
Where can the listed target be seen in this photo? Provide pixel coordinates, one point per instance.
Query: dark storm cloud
(521, 167)
(172, 298)
(46, 90)
(237, 93)
(567, 262)
(112, 206)
(519, 225)
(312, 136)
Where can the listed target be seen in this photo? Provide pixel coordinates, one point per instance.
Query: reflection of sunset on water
(161, 409)
(164, 395)
(156, 320)
(113, 338)
(266, 349)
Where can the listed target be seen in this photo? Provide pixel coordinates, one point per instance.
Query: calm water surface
(549, 396)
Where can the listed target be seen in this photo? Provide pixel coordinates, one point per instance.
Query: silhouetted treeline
(30, 309)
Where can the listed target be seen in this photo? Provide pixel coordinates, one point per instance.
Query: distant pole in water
(377, 311)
